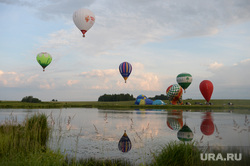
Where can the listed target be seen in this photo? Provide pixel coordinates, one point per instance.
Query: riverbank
(195, 104)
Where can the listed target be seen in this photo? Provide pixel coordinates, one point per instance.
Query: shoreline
(219, 104)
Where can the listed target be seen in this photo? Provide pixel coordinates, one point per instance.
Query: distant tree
(30, 99)
(159, 97)
(116, 97)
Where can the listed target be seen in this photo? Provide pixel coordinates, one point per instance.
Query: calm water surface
(85, 132)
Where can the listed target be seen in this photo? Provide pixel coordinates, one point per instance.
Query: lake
(90, 132)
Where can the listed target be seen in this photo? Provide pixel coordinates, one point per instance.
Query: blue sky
(161, 39)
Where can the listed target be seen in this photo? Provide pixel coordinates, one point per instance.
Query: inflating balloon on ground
(158, 102)
(174, 94)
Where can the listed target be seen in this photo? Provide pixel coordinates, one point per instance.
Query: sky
(160, 39)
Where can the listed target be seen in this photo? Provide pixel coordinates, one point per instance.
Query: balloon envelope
(184, 80)
(125, 69)
(206, 88)
(84, 19)
(44, 59)
(124, 144)
(174, 94)
(158, 102)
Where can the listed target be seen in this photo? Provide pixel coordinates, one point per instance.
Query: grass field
(217, 104)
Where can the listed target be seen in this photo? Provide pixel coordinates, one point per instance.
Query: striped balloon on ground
(125, 69)
(124, 144)
(184, 80)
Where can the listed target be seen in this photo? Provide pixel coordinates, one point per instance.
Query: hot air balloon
(174, 94)
(184, 80)
(207, 124)
(124, 144)
(185, 134)
(84, 19)
(206, 88)
(125, 69)
(44, 59)
(175, 120)
(158, 102)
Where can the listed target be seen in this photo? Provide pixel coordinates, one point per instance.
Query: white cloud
(109, 79)
(246, 61)
(47, 85)
(215, 66)
(72, 82)
(11, 79)
(100, 73)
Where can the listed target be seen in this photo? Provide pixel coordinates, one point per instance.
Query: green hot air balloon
(44, 59)
(184, 80)
(185, 134)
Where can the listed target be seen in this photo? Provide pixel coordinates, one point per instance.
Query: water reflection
(185, 134)
(124, 144)
(175, 119)
(86, 133)
(207, 124)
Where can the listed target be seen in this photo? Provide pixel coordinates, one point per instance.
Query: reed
(177, 154)
(25, 143)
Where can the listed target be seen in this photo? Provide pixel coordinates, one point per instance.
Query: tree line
(116, 97)
(30, 99)
(159, 97)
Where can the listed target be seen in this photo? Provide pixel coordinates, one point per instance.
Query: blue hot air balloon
(125, 70)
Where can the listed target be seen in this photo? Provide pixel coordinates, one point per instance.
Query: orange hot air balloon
(174, 94)
(207, 125)
(206, 88)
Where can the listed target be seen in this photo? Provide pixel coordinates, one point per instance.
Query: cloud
(14, 79)
(215, 66)
(110, 79)
(10, 79)
(233, 79)
(72, 82)
(47, 85)
(120, 25)
(100, 73)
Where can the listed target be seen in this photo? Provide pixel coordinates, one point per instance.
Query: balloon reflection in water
(125, 144)
(175, 120)
(207, 125)
(185, 134)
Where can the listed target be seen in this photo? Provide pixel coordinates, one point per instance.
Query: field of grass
(217, 104)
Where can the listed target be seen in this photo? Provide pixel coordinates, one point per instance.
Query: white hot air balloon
(84, 19)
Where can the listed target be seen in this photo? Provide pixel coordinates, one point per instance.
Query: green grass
(217, 104)
(178, 154)
(25, 144)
